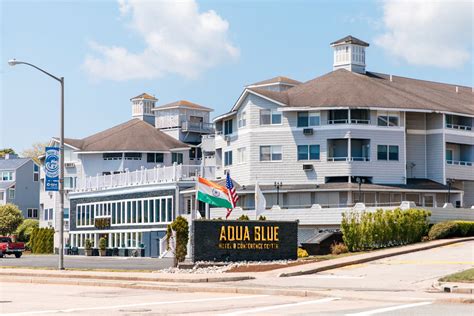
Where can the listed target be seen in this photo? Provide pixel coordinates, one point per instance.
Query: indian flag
(212, 193)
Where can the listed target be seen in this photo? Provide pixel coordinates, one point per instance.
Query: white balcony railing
(459, 163)
(199, 127)
(144, 176)
(461, 127)
(333, 159)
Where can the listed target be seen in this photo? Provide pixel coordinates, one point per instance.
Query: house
(19, 184)
(349, 136)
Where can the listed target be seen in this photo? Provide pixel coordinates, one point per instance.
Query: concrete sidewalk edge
(452, 287)
(402, 251)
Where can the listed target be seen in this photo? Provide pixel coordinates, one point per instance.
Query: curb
(127, 278)
(448, 287)
(373, 258)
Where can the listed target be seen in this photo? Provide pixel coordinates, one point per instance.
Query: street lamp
(14, 62)
(360, 180)
(450, 182)
(277, 186)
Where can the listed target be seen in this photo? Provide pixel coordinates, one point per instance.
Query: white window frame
(10, 175)
(308, 153)
(11, 193)
(228, 154)
(31, 212)
(388, 115)
(310, 115)
(272, 112)
(36, 174)
(242, 119)
(273, 151)
(241, 155)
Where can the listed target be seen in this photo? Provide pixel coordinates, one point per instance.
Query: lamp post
(14, 62)
(450, 182)
(360, 180)
(277, 186)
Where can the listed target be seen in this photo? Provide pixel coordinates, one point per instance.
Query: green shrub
(243, 217)
(103, 243)
(181, 227)
(25, 230)
(42, 240)
(365, 230)
(87, 244)
(338, 248)
(302, 253)
(451, 229)
(10, 219)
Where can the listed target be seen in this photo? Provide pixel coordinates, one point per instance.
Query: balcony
(354, 116)
(459, 122)
(338, 150)
(459, 161)
(197, 127)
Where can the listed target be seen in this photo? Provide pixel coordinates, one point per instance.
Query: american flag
(232, 194)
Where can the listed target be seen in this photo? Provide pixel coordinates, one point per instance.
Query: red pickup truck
(7, 247)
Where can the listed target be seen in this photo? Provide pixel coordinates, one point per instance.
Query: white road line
(71, 310)
(267, 308)
(332, 276)
(389, 309)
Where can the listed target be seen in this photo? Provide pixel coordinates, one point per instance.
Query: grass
(466, 276)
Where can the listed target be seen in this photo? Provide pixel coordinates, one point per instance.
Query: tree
(36, 150)
(181, 227)
(10, 219)
(24, 231)
(5, 151)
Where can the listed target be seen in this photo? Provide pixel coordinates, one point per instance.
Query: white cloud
(178, 38)
(429, 33)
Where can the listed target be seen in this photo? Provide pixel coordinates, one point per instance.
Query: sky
(204, 52)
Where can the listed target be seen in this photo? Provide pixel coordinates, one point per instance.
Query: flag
(260, 202)
(213, 193)
(232, 194)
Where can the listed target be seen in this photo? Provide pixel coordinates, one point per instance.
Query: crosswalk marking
(389, 309)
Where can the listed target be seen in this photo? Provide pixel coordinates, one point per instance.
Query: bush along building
(19, 184)
(350, 136)
(125, 182)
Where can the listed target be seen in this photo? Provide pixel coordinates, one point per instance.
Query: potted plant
(88, 247)
(102, 246)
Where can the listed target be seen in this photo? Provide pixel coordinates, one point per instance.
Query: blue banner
(51, 169)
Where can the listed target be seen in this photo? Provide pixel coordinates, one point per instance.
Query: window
(112, 156)
(385, 152)
(35, 173)
(270, 153)
(227, 158)
(133, 156)
(381, 152)
(270, 117)
(11, 193)
(6, 175)
(228, 127)
(66, 213)
(69, 182)
(338, 117)
(306, 119)
(177, 157)
(449, 156)
(308, 152)
(32, 212)
(387, 118)
(242, 119)
(155, 157)
(241, 155)
(392, 152)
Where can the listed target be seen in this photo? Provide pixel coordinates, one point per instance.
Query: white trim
(125, 190)
(164, 107)
(425, 132)
(272, 84)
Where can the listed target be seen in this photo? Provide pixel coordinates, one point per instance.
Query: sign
(102, 222)
(51, 169)
(215, 240)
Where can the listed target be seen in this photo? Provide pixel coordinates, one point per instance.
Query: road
(36, 299)
(82, 262)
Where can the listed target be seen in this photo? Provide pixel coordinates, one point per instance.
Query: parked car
(8, 247)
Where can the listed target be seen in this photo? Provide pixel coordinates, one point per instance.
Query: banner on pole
(51, 169)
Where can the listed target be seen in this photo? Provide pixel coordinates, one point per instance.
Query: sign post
(51, 168)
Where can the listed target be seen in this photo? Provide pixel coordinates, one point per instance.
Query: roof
(145, 96)
(6, 184)
(11, 164)
(343, 88)
(182, 104)
(350, 40)
(279, 79)
(133, 135)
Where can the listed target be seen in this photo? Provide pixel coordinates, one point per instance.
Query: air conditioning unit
(227, 138)
(307, 167)
(308, 131)
(69, 164)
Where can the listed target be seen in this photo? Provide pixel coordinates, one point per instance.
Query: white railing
(462, 127)
(459, 163)
(360, 158)
(339, 121)
(338, 159)
(359, 121)
(144, 176)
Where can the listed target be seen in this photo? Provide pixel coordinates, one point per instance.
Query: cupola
(142, 106)
(349, 54)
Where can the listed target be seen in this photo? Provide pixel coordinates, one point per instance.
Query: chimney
(349, 54)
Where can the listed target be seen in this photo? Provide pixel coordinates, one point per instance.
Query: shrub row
(41, 240)
(451, 229)
(365, 230)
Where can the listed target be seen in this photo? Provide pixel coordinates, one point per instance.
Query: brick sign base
(216, 240)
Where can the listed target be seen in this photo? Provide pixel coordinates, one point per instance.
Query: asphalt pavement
(83, 262)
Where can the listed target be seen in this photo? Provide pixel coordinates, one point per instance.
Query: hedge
(383, 228)
(41, 240)
(451, 229)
